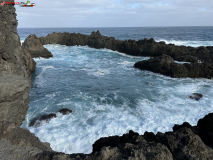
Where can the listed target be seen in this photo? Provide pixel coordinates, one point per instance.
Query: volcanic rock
(14, 97)
(166, 66)
(65, 111)
(184, 144)
(36, 122)
(16, 67)
(205, 126)
(196, 96)
(35, 48)
(143, 47)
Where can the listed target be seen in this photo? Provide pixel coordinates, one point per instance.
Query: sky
(115, 13)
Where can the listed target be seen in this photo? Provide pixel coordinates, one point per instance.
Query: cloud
(116, 13)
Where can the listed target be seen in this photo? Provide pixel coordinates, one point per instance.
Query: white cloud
(116, 13)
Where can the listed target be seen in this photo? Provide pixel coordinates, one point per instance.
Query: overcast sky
(115, 13)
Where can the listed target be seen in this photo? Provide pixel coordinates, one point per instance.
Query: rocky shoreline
(201, 59)
(16, 66)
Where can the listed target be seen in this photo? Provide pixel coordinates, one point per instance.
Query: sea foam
(108, 97)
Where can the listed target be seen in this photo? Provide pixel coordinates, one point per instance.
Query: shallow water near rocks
(108, 97)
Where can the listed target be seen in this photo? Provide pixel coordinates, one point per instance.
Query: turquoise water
(109, 97)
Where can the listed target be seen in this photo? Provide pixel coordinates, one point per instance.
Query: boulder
(196, 96)
(65, 111)
(33, 45)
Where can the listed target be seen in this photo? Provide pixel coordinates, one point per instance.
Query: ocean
(106, 94)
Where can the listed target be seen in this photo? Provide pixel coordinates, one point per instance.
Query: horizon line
(116, 27)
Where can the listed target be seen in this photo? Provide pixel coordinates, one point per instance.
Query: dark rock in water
(35, 48)
(36, 122)
(166, 66)
(196, 96)
(65, 111)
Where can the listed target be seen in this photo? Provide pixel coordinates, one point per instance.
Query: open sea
(106, 94)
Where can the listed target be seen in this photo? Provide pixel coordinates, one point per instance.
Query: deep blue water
(107, 95)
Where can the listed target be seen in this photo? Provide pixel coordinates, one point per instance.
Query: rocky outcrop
(166, 66)
(143, 47)
(16, 66)
(35, 48)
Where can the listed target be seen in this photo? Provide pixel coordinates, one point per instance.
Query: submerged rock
(36, 122)
(196, 96)
(65, 111)
(35, 48)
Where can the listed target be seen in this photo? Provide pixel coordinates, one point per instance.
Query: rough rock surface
(143, 47)
(16, 66)
(14, 98)
(165, 65)
(35, 48)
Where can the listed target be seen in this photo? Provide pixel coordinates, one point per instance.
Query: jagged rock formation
(166, 66)
(16, 67)
(35, 48)
(143, 47)
(184, 142)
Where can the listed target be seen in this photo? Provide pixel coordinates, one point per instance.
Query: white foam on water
(160, 101)
(188, 43)
(48, 67)
(21, 41)
(181, 62)
(126, 62)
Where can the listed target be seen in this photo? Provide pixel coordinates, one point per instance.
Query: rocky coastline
(16, 66)
(201, 59)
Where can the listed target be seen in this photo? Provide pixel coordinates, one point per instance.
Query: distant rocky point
(142, 47)
(35, 48)
(201, 59)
